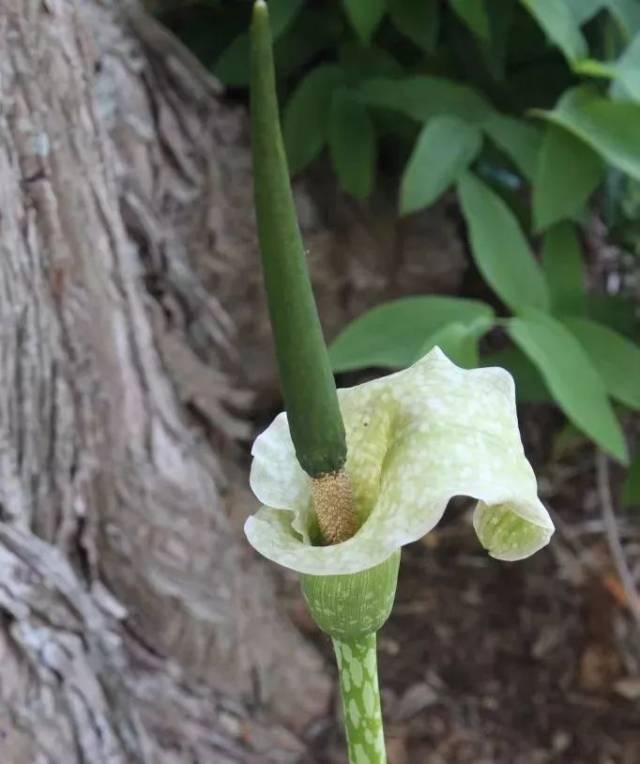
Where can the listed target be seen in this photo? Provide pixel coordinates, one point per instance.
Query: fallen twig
(613, 537)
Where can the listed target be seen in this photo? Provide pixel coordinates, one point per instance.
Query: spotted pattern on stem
(357, 665)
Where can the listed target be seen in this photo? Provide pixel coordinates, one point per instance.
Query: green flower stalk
(347, 478)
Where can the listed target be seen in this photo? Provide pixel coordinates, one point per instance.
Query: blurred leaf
(365, 15)
(530, 386)
(474, 14)
(419, 20)
(584, 10)
(444, 148)
(571, 377)
(494, 50)
(305, 116)
(609, 127)
(424, 97)
(519, 140)
(627, 72)
(560, 26)
(393, 334)
(459, 341)
(499, 247)
(352, 142)
(627, 14)
(361, 63)
(616, 358)
(233, 65)
(631, 486)
(568, 171)
(312, 31)
(615, 311)
(562, 265)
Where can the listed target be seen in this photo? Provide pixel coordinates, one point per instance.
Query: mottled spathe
(415, 439)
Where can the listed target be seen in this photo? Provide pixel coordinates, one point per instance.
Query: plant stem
(308, 386)
(358, 669)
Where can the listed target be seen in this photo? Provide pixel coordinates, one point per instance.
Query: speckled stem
(358, 668)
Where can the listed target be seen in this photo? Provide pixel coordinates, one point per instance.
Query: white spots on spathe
(433, 431)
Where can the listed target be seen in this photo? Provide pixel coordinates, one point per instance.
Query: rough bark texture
(135, 623)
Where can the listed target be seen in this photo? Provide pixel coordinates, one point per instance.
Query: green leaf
(530, 386)
(233, 65)
(560, 26)
(365, 16)
(614, 310)
(616, 358)
(392, 334)
(313, 31)
(424, 97)
(305, 116)
(459, 341)
(627, 14)
(519, 140)
(609, 127)
(568, 171)
(361, 63)
(474, 14)
(571, 377)
(585, 10)
(631, 486)
(444, 148)
(352, 142)
(418, 20)
(562, 265)
(499, 247)
(627, 71)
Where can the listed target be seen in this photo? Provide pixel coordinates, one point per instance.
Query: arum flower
(415, 439)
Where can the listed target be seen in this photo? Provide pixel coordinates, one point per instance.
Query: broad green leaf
(233, 65)
(419, 20)
(627, 72)
(585, 10)
(609, 127)
(530, 386)
(392, 334)
(631, 486)
(352, 142)
(474, 14)
(365, 16)
(571, 377)
(424, 97)
(616, 358)
(614, 310)
(519, 140)
(499, 247)
(459, 341)
(562, 265)
(305, 127)
(568, 171)
(444, 148)
(312, 32)
(627, 14)
(560, 26)
(360, 63)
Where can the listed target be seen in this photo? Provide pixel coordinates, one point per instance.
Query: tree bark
(135, 624)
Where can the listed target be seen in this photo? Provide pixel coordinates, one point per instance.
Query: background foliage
(529, 110)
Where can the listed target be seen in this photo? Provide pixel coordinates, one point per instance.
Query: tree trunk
(136, 625)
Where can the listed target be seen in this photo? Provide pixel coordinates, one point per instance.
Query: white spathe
(415, 439)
